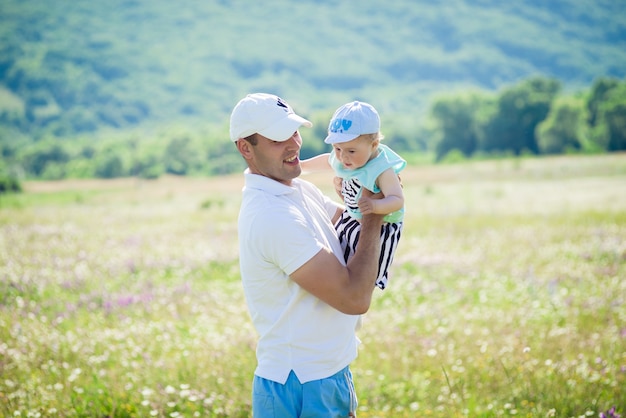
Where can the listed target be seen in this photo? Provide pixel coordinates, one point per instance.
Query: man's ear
(245, 148)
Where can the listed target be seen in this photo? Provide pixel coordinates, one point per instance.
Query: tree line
(532, 117)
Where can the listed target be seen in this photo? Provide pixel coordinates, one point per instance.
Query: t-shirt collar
(266, 184)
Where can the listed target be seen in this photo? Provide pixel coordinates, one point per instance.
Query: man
(304, 301)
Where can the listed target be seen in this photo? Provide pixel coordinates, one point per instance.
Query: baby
(361, 161)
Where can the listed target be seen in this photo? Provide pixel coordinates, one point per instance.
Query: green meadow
(122, 298)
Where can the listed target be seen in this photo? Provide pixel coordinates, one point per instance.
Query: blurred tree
(455, 120)
(222, 157)
(110, 165)
(226, 164)
(54, 171)
(80, 168)
(147, 164)
(39, 155)
(598, 94)
(612, 113)
(405, 134)
(87, 151)
(313, 139)
(519, 110)
(181, 156)
(565, 127)
(9, 184)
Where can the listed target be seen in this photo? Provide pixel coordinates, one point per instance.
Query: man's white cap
(265, 114)
(351, 120)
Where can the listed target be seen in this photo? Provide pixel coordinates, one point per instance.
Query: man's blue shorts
(333, 396)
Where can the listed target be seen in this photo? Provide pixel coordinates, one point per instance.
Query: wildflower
(74, 375)
(611, 413)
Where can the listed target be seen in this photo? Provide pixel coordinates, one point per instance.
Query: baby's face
(356, 153)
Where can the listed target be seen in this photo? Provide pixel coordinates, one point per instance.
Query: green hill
(74, 66)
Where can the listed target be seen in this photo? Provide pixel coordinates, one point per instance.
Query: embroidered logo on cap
(282, 104)
(340, 125)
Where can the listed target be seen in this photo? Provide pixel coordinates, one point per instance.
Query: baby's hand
(366, 205)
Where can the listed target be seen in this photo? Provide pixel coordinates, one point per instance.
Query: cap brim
(338, 138)
(284, 129)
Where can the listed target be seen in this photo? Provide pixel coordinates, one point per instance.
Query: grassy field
(508, 297)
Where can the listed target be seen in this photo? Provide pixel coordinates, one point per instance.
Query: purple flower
(611, 413)
(125, 300)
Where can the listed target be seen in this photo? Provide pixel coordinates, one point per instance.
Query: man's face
(279, 161)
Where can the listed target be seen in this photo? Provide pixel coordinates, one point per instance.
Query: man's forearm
(363, 266)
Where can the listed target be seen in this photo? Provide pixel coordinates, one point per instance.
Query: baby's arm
(393, 200)
(317, 163)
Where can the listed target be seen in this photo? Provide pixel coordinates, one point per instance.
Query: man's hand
(337, 182)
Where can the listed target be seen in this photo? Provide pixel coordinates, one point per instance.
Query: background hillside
(71, 68)
(122, 62)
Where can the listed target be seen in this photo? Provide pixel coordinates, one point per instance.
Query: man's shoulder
(306, 186)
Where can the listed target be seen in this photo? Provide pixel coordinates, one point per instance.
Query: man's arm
(346, 288)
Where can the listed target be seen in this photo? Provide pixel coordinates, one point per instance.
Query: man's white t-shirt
(281, 228)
